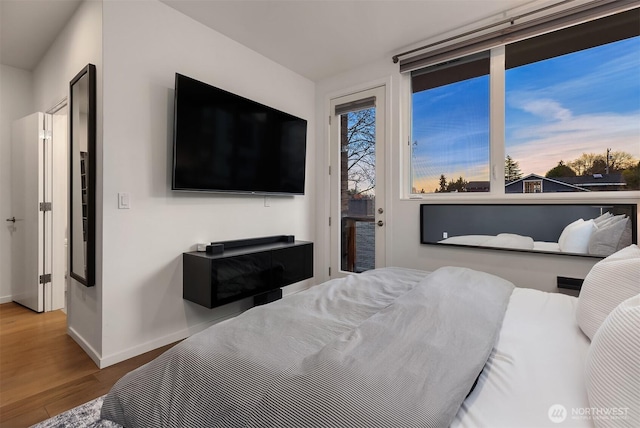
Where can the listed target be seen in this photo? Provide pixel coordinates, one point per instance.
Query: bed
(600, 236)
(401, 347)
(510, 241)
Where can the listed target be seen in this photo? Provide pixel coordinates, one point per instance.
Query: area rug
(86, 415)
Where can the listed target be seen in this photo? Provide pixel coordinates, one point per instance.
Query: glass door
(357, 182)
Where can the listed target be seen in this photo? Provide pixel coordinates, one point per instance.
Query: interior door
(30, 153)
(357, 127)
(55, 292)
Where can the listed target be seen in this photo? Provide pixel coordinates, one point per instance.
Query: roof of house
(613, 179)
(557, 180)
(477, 185)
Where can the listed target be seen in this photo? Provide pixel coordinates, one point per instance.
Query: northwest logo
(557, 413)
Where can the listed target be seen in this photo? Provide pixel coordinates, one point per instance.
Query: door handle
(12, 219)
(380, 223)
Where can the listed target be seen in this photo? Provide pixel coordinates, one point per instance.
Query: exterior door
(30, 185)
(357, 182)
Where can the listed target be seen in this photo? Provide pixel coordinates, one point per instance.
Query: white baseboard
(158, 343)
(92, 353)
(5, 299)
(118, 357)
(297, 287)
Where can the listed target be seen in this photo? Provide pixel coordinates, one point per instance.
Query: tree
(561, 170)
(632, 177)
(358, 150)
(594, 163)
(583, 164)
(460, 185)
(443, 184)
(599, 166)
(620, 161)
(511, 170)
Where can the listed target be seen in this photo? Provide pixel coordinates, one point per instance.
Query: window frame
(497, 99)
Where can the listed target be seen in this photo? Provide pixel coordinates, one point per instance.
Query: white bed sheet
(502, 240)
(546, 246)
(538, 362)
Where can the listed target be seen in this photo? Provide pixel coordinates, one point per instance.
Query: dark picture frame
(82, 176)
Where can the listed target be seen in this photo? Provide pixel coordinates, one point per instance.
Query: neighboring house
(534, 183)
(477, 186)
(597, 182)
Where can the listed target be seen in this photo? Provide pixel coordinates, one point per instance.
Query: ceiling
(29, 27)
(315, 38)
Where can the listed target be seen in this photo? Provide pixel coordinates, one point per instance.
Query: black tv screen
(226, 143)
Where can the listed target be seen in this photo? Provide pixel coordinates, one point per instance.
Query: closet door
(31, 210)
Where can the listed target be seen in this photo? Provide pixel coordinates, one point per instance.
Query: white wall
(402, 222)
(16, 101)
(77, 45)
(145, 44)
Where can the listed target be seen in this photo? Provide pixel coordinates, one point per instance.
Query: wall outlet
(445, 235)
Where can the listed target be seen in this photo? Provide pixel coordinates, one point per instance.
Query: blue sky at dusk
(556, 110)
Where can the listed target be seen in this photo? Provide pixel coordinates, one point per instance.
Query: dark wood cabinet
(260, 266)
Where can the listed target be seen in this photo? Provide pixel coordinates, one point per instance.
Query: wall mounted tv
(223, 142)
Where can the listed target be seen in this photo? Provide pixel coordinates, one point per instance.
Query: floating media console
(233, 270)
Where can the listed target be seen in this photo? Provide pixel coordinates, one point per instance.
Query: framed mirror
(591, 230)
(82, 196)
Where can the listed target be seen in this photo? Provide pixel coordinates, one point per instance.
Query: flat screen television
(223, 142)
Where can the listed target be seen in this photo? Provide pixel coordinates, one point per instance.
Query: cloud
(538, 148)
(548, 109)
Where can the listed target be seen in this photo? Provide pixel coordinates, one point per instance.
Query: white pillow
(577, 238)
(566, 230)
(612, 372)
(611, 220)
(611, 281)
(605, 239)
(602, 218)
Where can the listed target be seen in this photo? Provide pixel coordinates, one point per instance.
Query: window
(572, 115)
(573, 104)
(450, 105)
(533, 186)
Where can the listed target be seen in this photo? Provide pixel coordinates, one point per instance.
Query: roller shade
(362, 104)
(450, 72)
(517, 32)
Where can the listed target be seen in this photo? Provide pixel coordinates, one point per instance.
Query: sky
(556, 109)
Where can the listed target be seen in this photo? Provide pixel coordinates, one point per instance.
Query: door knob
(380, 210)
(12, 219)
(380, 223)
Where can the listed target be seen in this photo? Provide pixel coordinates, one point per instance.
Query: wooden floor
(43, 372)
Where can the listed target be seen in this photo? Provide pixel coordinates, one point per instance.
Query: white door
(357, 182)
(30, 185)
(55, 291)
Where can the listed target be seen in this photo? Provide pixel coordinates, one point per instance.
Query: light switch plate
(124, 201)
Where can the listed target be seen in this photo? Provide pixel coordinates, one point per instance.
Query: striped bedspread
(388, 348)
